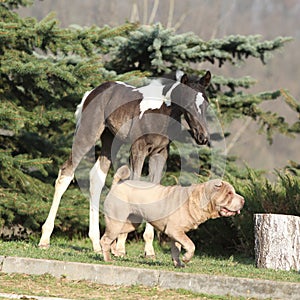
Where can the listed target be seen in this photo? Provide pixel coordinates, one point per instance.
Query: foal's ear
(181, 77)
(184, 79)
(205, 80)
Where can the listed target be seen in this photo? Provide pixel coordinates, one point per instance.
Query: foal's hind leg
(65, 176)
(85, 137)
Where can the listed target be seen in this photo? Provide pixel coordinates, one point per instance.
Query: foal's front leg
(97, 180)
(65, 176)
(156, 164)
(137, 158)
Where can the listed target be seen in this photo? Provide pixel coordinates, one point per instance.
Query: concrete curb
(114, 275)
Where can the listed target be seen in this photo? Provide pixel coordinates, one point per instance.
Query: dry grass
(49, 286)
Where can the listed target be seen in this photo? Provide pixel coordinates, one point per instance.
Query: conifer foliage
(45, 70)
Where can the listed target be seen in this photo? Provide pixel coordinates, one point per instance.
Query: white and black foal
(145, 117)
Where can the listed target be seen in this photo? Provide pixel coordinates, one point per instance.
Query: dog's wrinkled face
(224, 198)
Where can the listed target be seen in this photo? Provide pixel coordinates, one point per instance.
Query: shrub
(261, 196)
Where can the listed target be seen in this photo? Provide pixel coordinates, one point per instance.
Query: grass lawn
(80, 250)
(48, 286)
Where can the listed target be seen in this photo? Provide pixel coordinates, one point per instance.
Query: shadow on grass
(142, 261)
(214, 252)
(221, 254)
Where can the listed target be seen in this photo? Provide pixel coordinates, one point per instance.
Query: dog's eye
(230, 193)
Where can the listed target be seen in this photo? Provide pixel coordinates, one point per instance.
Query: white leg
(97, 181)
(148, 238)
(119, 248)
(61, 184)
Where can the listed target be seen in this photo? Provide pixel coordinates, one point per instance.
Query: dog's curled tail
(121, 174)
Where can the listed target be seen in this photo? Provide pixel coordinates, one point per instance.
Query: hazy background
(214, 19)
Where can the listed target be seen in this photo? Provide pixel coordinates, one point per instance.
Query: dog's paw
(118, 254)
(185, 260)
(106, 256)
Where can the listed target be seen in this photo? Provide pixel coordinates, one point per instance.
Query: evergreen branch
(235, 106)
(291, 101)
(13, 4)
(160, 50)
(219, 82)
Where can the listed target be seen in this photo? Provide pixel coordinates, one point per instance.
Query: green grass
(80, 250)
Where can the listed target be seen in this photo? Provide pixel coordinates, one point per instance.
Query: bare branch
(153, 12)
(134, 13)
(171, 14)
(222, 16)
(145, 15)
(181, 20)
(237, 135)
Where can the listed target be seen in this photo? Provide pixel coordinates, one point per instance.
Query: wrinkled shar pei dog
(173, 210)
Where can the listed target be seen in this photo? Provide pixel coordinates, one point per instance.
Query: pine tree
(44, 72)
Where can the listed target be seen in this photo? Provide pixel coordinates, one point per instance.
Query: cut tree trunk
(277, 241)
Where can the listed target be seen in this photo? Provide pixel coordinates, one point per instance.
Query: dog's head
(223, 198)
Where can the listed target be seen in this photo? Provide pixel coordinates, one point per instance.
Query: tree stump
(277, 241)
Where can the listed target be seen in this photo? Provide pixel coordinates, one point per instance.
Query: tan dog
(173, 210)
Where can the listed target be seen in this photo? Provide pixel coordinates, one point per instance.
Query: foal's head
(194, 103)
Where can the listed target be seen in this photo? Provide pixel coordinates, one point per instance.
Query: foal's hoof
(180, 266)
(44, 246)
(178, 263)
(152, 257)
(98, 249)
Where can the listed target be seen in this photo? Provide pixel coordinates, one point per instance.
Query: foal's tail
(121, 174)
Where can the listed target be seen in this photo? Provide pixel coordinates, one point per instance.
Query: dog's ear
(198, 197)
(213, 186)
(218, 183)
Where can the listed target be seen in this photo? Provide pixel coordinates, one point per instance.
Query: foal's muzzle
(202, 139)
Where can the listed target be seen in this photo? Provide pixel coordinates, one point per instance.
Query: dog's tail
(121, 174)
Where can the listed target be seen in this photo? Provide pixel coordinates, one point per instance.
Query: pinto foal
(145, 117)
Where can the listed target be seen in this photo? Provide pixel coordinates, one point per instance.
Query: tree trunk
(277, 241)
